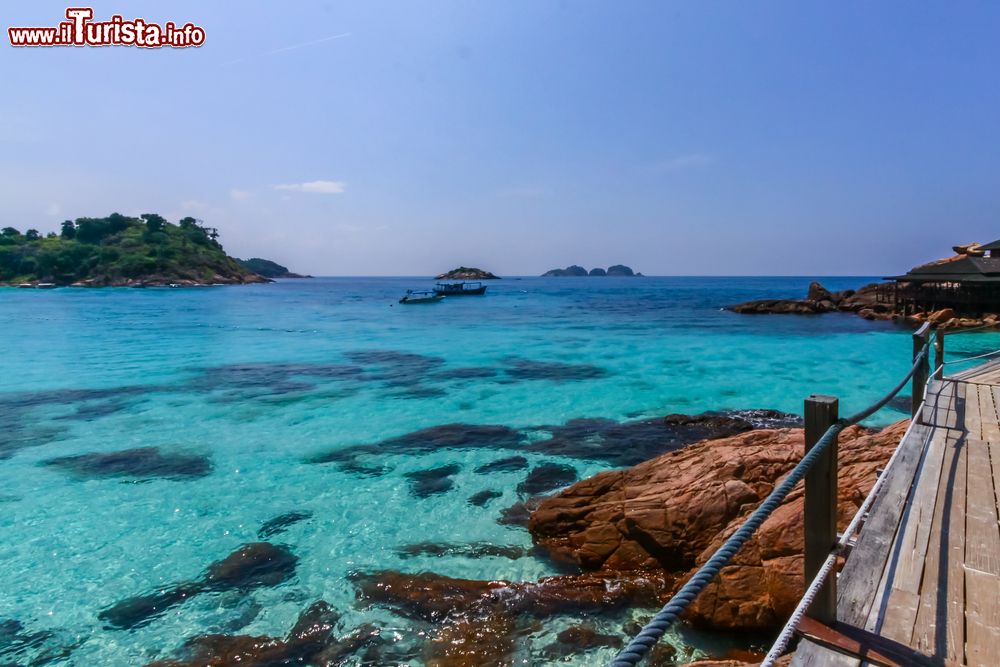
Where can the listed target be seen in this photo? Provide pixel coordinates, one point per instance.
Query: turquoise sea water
(241, 388)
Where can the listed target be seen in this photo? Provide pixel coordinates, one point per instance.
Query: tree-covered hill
(268, 269)
(118, 250)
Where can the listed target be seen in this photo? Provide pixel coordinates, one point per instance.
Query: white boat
(414, 297)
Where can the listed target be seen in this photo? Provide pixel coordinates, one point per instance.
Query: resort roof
(991, 246)
(963, 268)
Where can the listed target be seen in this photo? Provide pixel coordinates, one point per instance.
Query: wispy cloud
(293, 47)
(240, 195)
(684, 162)
(53, 209)
(315, 187)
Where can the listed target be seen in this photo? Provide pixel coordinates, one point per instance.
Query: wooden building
(969, 283)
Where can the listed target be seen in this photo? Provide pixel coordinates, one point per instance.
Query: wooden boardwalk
(921, 586)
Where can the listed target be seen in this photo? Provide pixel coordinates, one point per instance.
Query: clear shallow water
(257, 380)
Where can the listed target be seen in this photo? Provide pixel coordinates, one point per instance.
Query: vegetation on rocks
(119, 250)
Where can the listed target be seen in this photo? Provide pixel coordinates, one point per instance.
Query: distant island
(268, 269)
(467, 273)
(120, 251)
(618, 270)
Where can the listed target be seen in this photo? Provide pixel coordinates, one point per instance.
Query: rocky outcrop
(267, 268)
(570, 271)
(669, 514)
(467, 273)
(620, 270)
(575, 270)
(821, 300)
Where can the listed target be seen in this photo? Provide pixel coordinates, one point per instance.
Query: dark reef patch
(91, 410)
(281, 523)
(251, 566)
(547, 477)
(632, 442)
(480, 499)
(19, 646)
(446, 436)
(467, 373)
(424, 483)
(17, 433)
(509, 464)
(396, 369)
(138, 463)
(555, 371)
(473, 550)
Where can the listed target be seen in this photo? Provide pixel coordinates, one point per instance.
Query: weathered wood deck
(922, 583)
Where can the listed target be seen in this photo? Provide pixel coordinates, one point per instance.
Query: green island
(120, 251)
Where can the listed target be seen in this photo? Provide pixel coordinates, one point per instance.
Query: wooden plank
(968, 409)
(857, 585)
(940, 626)
(873, 649)
(988, 414)
(982, 539)
(982, 557)
(940, 409)
(995, 464)
(809, 654)
(982, 618)
(896, 613)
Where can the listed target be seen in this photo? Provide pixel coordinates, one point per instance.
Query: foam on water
(261, 380)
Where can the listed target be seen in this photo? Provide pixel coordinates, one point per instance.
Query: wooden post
(938, 354)
(821, 504)
(920, 375)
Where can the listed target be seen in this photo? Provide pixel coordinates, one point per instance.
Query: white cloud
(316, 187)
(194, 205)
(683, 162)
(53, 209)
(240, 195)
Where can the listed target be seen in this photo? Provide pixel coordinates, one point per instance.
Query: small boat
(46, 286)
(420, 296)
(26, 286)
(460, 289)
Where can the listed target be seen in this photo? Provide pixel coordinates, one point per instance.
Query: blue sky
(679, 138)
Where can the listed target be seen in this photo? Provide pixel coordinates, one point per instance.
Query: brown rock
(941, 316)
(818, 293)
(477, 621)
(671, 513)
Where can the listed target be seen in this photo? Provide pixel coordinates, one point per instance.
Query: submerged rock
(579, 639)
(251, 566)
(670, 513)
(310, 641)
(509, 464)
(480, 499)
(477, 622)
(424, 483)
(280, 523)
(547, 477)
(138, 463)
(473, 550)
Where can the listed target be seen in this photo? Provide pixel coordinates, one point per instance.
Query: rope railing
(654, 630)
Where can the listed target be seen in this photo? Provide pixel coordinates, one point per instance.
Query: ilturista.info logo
(80, 29)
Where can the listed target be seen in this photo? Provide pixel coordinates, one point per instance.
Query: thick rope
(653, 631)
